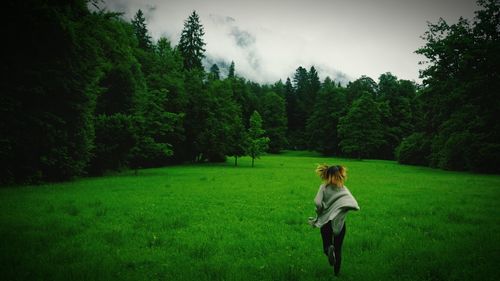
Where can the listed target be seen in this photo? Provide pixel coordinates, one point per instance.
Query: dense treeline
(458, 128)
(88, 91)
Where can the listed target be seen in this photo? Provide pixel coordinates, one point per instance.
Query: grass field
(219, 222)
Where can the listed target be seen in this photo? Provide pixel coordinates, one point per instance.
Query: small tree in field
(238, 140)
(257, 144)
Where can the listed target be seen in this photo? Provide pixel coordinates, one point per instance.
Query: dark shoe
(331, 255)
(336, 267)
(336, 271)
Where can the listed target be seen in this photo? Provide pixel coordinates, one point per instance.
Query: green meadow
(220, 222)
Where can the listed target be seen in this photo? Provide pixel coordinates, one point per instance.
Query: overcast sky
(268, 39)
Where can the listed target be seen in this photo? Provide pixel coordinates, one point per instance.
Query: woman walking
(333, 201)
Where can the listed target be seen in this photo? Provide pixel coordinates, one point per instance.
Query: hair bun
(332, 169)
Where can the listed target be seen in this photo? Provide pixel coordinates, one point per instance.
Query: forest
(88, 91)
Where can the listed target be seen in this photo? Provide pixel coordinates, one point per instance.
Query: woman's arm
(318, 200)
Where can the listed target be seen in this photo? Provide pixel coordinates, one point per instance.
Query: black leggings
(336, 240)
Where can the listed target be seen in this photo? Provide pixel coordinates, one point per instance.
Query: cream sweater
(332, 204)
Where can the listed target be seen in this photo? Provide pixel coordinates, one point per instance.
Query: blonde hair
(332, 175)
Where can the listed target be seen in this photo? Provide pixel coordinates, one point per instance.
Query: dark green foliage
(396, 96)
(213, 119)
(414, 149)
(279, 89)
(237, 140)
(119, 88)
(91, 64)
(191, 43)
(90, 92)
(231, 70)
(141, 30)
(115, 136)
(314, 87)
(274, 121)
(164, 106)
(256, 91)
(293, 116)
(461, 100)
(122, 88)
(301, 87)
(238, 137)
(257, 143)
(167, 73)
(154, 125)
(196, 113)
(49, 90)
(242, 96)
(214, 72)
(300, 104)
(222, 124)
(361, 130)
(147, 151)
(330, 105)
(360, 86)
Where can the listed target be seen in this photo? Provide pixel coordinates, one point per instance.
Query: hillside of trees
(88, 91)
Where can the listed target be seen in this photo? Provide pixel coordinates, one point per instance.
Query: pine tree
(214, 72)
(231, 70)
(300, 104)
(191, 43)
(314, 86)
(141, 31)
(279, 88)
(301, 82)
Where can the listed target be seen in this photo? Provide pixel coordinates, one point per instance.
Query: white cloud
(261, 54)
(268, 40)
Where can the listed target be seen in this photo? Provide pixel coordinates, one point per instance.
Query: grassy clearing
(219, 222)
